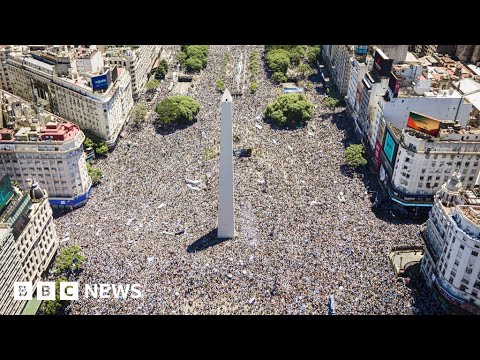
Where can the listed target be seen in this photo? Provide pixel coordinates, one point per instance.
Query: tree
(297, 54)
(305, 70)
(289, 110)
(193, 64)
(102, 149)
(152, 84)
(162, 70)
(93, 141)
(220, 85)
(313, 53)
(181, 57)
(278, 60)
(95, 174)
(69, 261)
(57, 306)
(139, 112)
(354, 155)
(279, 77)
(254, 87)
(176, 110)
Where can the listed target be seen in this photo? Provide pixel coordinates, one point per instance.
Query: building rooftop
(471, 212)
(474, 99)
(467, 86)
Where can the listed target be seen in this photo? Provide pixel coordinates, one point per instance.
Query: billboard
(389, 146)
(377, 153)
(423, 123)
(394, 84)
(382, 64)
(6, 191)
(360, 49)
(100, 82)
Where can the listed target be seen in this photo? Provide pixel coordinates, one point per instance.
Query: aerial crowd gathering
(305, 229)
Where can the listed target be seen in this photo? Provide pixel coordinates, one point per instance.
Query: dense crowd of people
(304, 225)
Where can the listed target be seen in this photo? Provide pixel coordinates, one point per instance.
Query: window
(462, 246)
(474, 253)
(463, 287)
(468, 270)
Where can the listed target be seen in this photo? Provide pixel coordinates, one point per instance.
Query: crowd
(304, 226)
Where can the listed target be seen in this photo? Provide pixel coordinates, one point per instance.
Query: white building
(4, 51)
(423, 162)
(337, 58)
(138, 60)
(451, 264)
(29, 240)
(99, 101)
(35, 144)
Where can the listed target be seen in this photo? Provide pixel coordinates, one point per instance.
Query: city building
(337, 58)
(468, 53)
(72, 82)
(4, 51)
(36, 144)
(138, 60)
(429, 50)
(415, 161)
(451, 265)
(28, 240)
(398, 53)
(360, 63)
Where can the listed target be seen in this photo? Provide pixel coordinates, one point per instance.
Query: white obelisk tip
(226, 97)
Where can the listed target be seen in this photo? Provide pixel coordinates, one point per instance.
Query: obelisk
(226, 223)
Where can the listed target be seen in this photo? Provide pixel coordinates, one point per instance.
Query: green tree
(354, 155)
(193, 64)
(220, 85)
(176, 110)
(162, 70)
(69, 262)
(305, 70)
(139, 112)
(254, 87)
(289, 110)
(102, 149)
(88, 142)
(278, 61)
(181, 57)
(279, 77)
(313, 53)
(297, 54)
(95, 174)
(57, 306)
(152, 84)
(97, 144)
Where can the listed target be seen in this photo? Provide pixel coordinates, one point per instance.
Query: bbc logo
(45, 290)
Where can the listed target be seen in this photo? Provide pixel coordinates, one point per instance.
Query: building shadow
(424, 303)
(205, 242)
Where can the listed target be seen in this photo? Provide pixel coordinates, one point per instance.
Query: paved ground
(305, 228)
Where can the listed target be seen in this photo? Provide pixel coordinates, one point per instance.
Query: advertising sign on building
(394, 84)
(390, 146)
(423, 123)
(382, 64)
(6, 191)
(377, 155)
(100, 82)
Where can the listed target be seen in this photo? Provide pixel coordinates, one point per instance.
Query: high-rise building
(35, 144)
(74, 83)
(28, 240)
(451, 264)
(138, 60)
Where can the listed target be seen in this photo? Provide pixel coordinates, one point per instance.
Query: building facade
(98, 99)
(35, 144)
(451, 265)
(138, 60)
(29, 240)
(337, 58)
